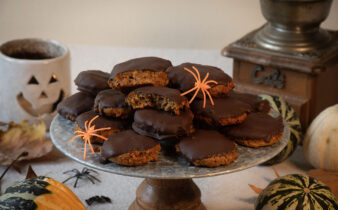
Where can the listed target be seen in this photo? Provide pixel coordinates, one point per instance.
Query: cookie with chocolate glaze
(161, 98)
(139, 72)
(208, 148)
(111, 103)
(258, 129)
(92, 81)
(75, 105)
(226, 111)
(257, 104)
(163, 125)
(101, 122)
(184, 81)
(130, 149)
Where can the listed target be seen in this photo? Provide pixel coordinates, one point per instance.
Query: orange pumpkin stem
(89, 132)
(259, 190)
(255, 189)
(276, 172)
(200, 85)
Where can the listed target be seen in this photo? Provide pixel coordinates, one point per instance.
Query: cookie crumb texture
(226, 111)
(221, 90)
(111, 103)
(136, 158)
(216, 161)
(122, 113)
(259, 142)
(258, 129)
(138, 78)
(160, 102)
(222, 122)
(130, 149)
(208, 148)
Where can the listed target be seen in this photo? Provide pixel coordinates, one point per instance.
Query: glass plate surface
(167, 167)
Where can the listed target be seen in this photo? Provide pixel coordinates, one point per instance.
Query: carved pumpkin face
(35, 77)
(41, 96)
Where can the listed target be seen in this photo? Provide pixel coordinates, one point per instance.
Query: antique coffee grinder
(290, 56)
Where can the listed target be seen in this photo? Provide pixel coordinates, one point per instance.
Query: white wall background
(202, 24)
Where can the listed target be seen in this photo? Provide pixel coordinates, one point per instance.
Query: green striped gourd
(296, 192)
(289, 115)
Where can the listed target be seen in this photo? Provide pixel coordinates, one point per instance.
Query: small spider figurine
(84, 174)
(88, 133)
(98, 199)
(200, 85)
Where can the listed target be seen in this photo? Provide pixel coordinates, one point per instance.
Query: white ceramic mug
(34, 78)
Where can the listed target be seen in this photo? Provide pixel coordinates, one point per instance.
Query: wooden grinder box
(307, 80)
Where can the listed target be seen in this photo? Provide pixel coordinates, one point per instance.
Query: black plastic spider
(98, 199)
(84, 174)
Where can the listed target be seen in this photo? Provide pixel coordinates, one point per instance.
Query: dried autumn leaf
(23, 137)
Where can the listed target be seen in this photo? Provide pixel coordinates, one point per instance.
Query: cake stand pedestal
(168, 182)
(168, 194)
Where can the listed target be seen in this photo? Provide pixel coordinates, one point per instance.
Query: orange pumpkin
(40, 193)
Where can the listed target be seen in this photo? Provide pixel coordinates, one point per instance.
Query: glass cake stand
(168, 182)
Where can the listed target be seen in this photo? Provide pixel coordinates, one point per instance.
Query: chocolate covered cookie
(258, 129)
(130, 149)
(257, 104)
(75, 105)
(92, 81)
(184, 81)
(161, 98)
(226, 111)
(111, 103)
(208, 148)
(100, 122)
(139, 72)
(163, 125)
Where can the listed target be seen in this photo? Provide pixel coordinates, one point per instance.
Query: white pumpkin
(320, 145)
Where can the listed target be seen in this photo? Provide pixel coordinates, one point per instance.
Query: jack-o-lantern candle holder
(35, 77)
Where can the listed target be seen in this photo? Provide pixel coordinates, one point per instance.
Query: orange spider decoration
(200, 85)
(88, 133)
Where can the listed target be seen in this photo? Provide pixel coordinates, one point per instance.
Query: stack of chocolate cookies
(81, 107)
(146, 102)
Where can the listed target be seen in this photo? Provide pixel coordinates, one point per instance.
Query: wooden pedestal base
(167, 194)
